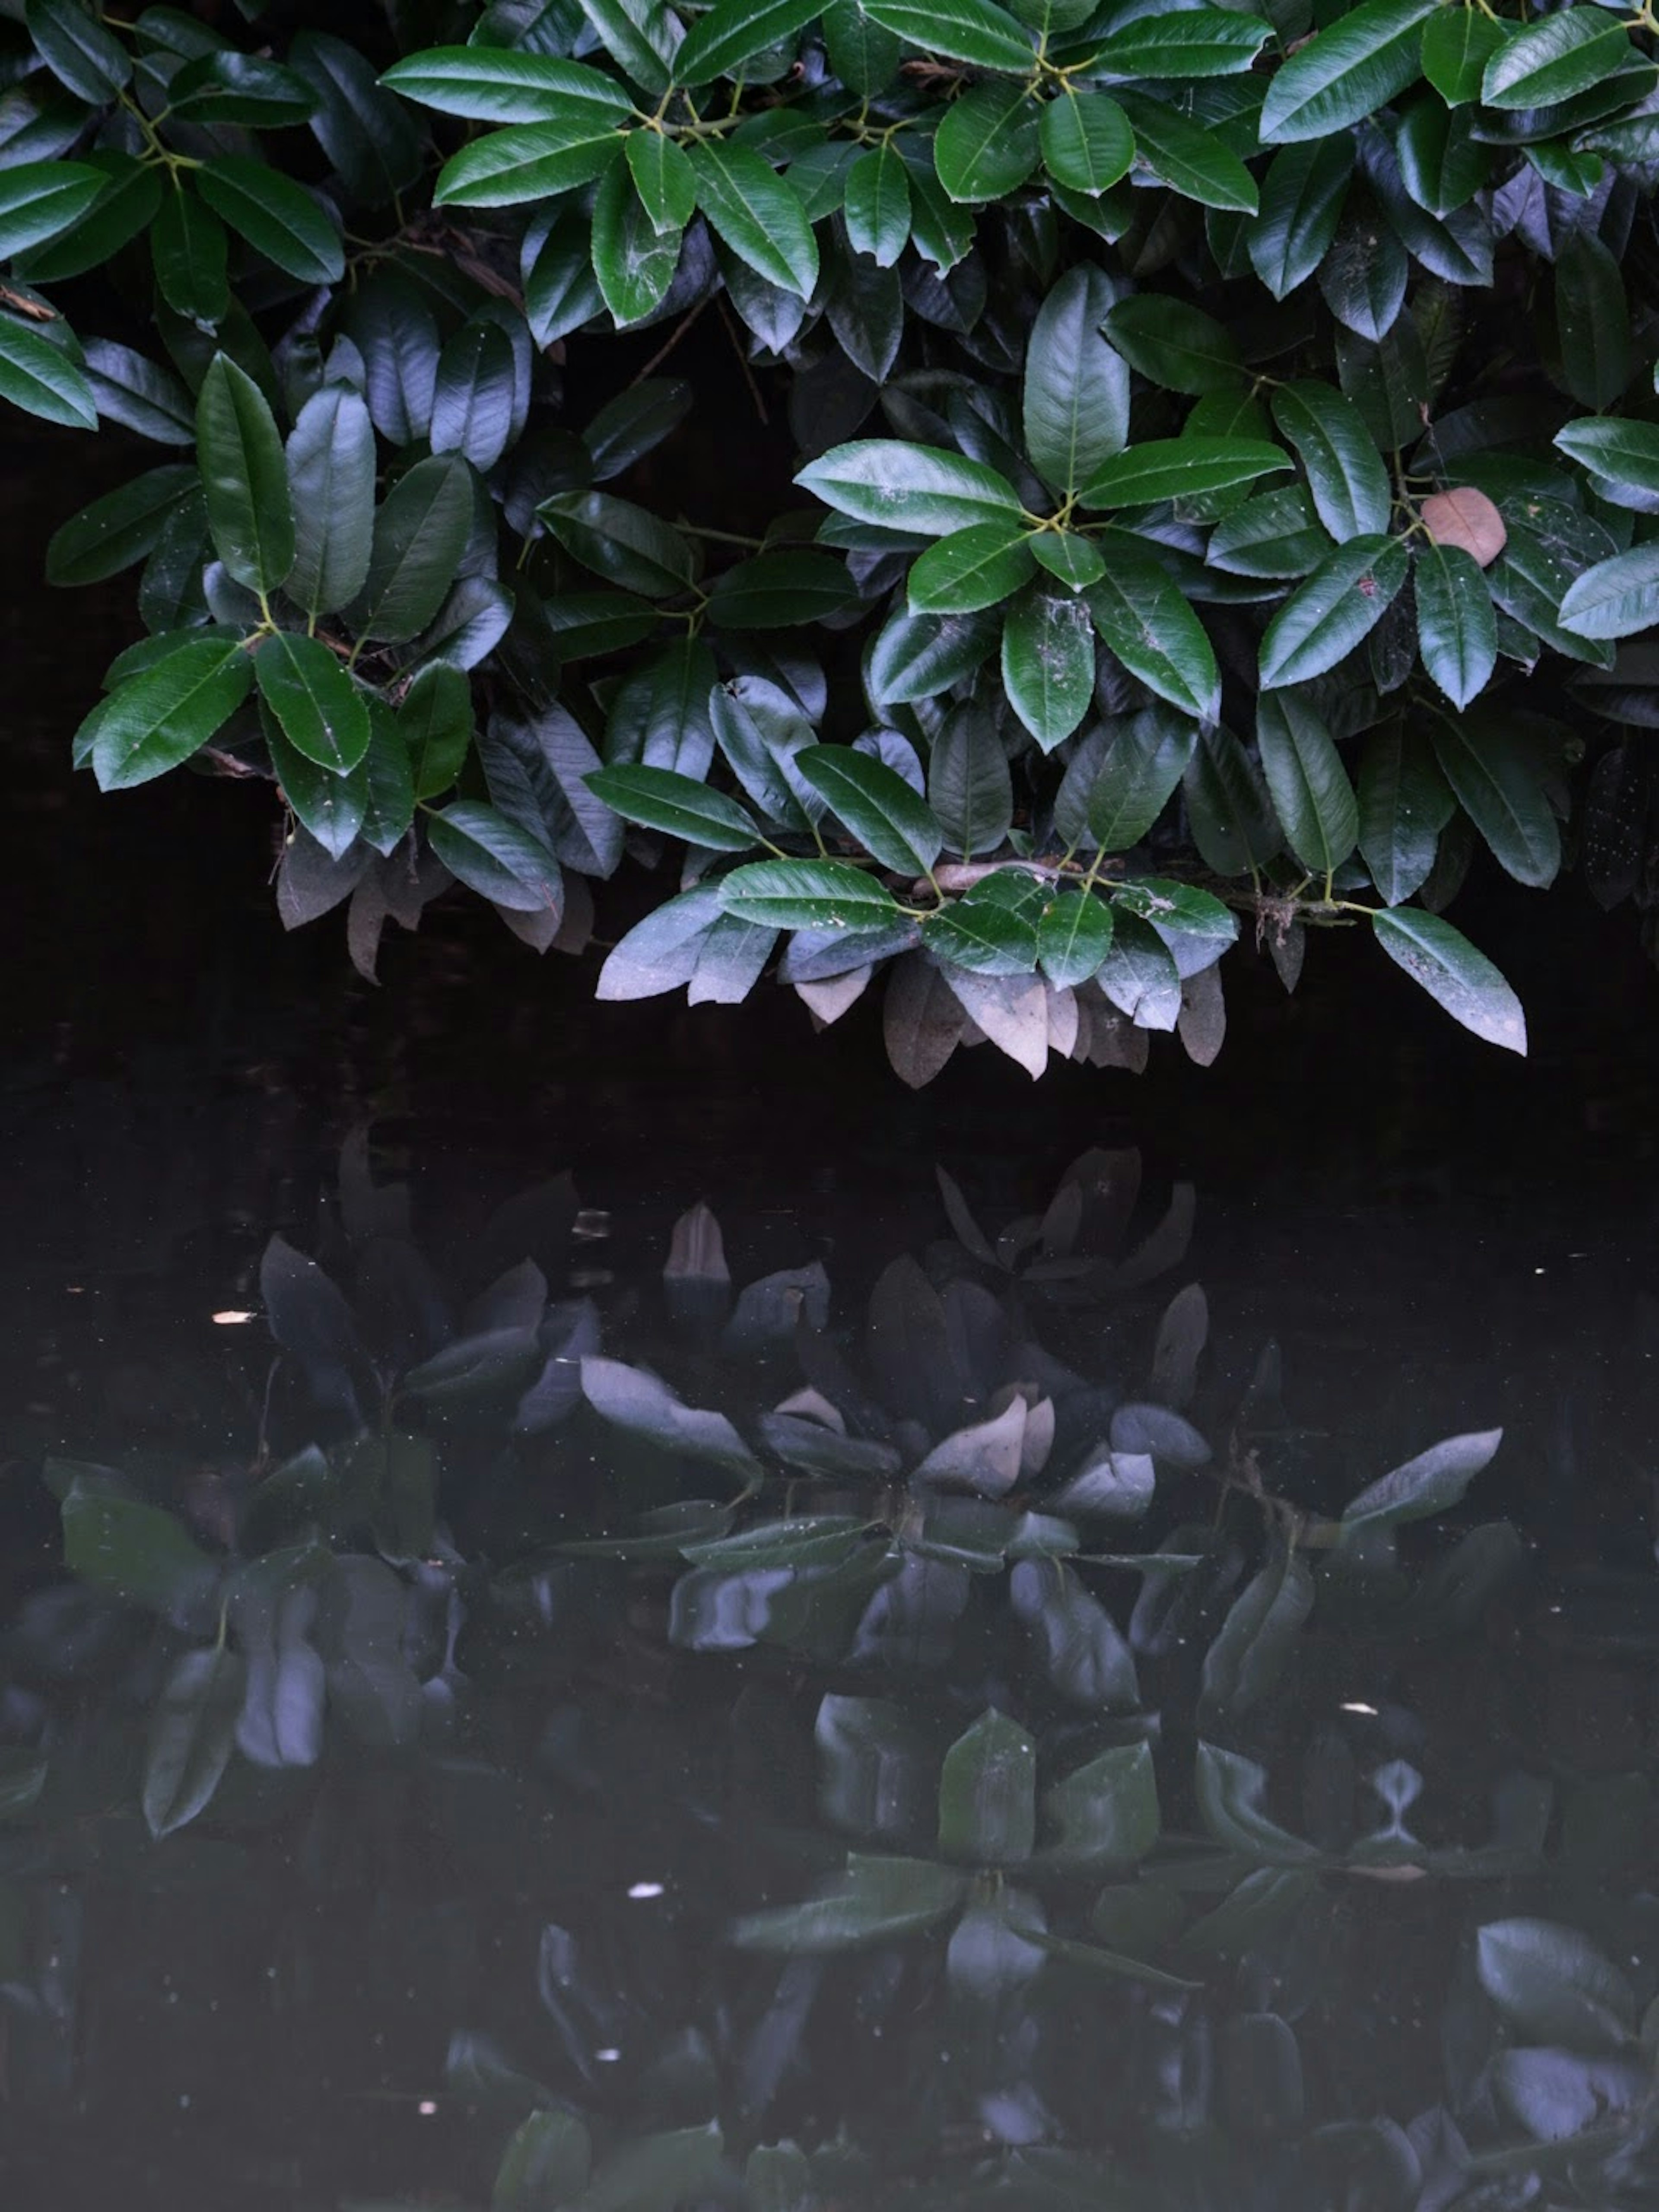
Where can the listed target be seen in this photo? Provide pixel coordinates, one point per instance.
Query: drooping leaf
(977, 32)
(330, 459)
(1431, 1483)
(758, 214)
(1192, 160)
(157, 719)
(987, 144)
(919, 489)
(987, 1794)
(634, 257)
(498, 859)
(1073, 937)
(1404, 806)
(1302, 200)
(420, 533)
(1076, 391)
(1345, 475)
(1500, 786)
(277, 217)
(1456, 626)
(192, 1734)
(888, 818)
(1311, 793)
(1340, 604)
(1049, 664)
(969, 786)
(829, 894)
(1180, 468)
(1144, 618)
(1459, 979)
(323, 713)
(1176, 344)
(244, 477)
(663, 800)
(1145, 758)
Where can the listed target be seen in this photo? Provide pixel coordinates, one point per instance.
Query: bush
(1228, 454)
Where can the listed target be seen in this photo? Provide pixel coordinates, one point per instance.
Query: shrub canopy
(1224, 445)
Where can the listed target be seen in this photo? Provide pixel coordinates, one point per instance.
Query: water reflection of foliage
(1124, 1862)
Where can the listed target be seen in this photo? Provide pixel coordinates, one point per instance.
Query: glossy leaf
(277, 217)
(117, 530)
(480, 847)
(1345, 475)
(154, 721)
(503, 84)
(1075, 396)
(878, 205)
(1049, 664)
(1404, 805)
(1301, 199)
(420, 533)
(919, 489)
(1176, 345)
(192, 1734)
(987, 144)
(979, 567)
(827, 895)
(1457, 44)
(1500, 788)
(1456, 977)
(662, 799)
(1190, 160)
(1552, 1985)
(1180, 468)
(758, 214)
(323, 713)
(1182, 42)
(992, 930)
(893, 824)
(1340, 604)
(1616, 597)
(1145, 758)
(330, 459)
(1456, 626)
(1085, 141)
(877, 1901)
(969, 786)
(977, 32)
(1311, 793)
(1073, 937)
(244, 477)
(39, 198)
(1551, 60)
(78, 48)
(1346, 71)
(1143, 617)
(634, 257)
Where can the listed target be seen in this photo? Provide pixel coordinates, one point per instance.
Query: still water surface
(913, 1691)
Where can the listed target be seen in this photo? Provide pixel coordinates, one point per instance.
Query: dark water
(578, 1629)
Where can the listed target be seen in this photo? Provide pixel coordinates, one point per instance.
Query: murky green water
(831, 1703)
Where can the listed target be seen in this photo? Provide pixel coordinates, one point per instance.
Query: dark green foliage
(1280, 378)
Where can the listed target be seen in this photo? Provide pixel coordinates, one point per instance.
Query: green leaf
(1174, 345)
(987, 1794)
(969, 786)
(1139, 975)
(1180, 468)
(634, 261)
(1196, 927)
(504, 84)
(139, 395)
(1342, 602)
(1457, 628)
(877, 1901)
(1073, 560)
(323, 713)
(992, 930)
(420, 534)
(777, 591)
(495, 857)
(244, 478)
(1073, 937)
(1145, 758)
(389, 779)
(333, 808)
(435, 721)
(1144, 619)
(863, 53)
(878, 205)
(1230, 1789)
(1430, 1484)
(624, 543)
(1624, 452)
(979, 567)
(191, 254)
(891, 820)
(37, 377)
(530, 162)
(154, 721)
(192, 1734)
(1187, 157)
(1255, 1642)
(1049, 664)
(642, 35)
(277, 217)
(757, 213)
(1565, 53)
(1615, 598)
(1345, 475)
(827, 895)
(1311, 794)
(1404, 805)
(371, 139)
(474, 397)
(1106, 1812)
(117, 530)
(665, 180)
(1592, 319)
(331, 477)
(973, 30)
(1302, 200)
(225, 87)
(1457, 44)
(39, 198)
(1346, 71)
(662, 799)
(734, 32)
(141, 1554)
(1276, 535)
(916, 656)
(988, 143)
(921, 489)
(1075, 396)
(78, 49)
(1456, 977)
(1441, 165)
(1499, 784)
(1551, 1983)
(1180, 43)
(1086, 142)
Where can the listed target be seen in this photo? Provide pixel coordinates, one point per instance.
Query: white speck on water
(608, 2057)
(427, 2107)
(645, 1889)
